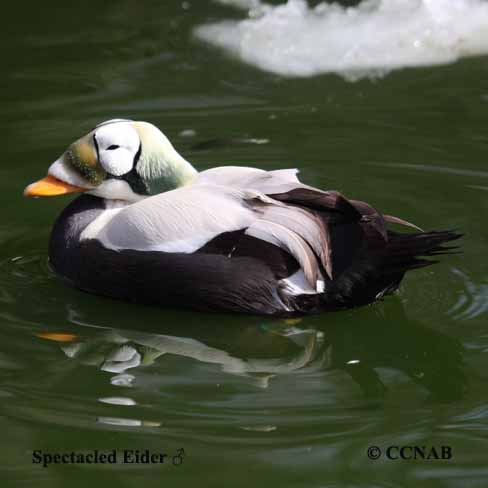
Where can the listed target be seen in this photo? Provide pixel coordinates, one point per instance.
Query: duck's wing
(181, 220)
(276, 181)
(286, 187)
(312, 226)
(323, 219)
(188, 219)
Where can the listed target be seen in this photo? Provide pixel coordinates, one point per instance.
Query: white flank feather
(181, 220)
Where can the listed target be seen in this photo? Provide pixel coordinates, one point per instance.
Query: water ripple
(473, 300)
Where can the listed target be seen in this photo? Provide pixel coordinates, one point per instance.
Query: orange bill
(49, 187)
(57, 336)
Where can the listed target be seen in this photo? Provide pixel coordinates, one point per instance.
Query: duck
(149, 228)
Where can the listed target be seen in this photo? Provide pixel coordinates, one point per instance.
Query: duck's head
(118, 160)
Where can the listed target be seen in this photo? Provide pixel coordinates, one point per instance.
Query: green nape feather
(160, 166)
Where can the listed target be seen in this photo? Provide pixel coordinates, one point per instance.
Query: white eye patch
(118, 144)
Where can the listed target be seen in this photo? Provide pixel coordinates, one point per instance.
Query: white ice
(294, 39)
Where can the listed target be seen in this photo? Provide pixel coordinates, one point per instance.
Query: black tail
(362, 260)
(380, 266)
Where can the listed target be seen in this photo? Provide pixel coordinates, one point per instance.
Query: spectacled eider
(149, 228)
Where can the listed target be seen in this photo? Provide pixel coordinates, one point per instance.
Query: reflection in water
(428, 358)
(117, 351)
(260, 351)
(124, 422)
(118, 401)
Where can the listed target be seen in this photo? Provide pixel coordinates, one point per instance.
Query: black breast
(67, 229)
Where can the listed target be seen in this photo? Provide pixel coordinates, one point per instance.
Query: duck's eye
(112, 147)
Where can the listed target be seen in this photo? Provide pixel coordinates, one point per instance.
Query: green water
(252, 401)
